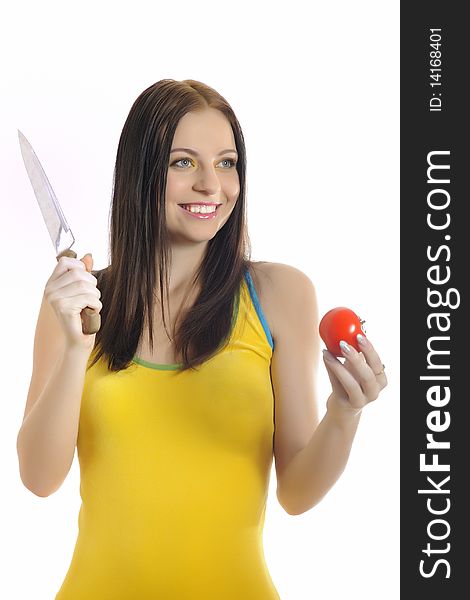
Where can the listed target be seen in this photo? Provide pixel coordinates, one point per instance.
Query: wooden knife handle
(91, 320)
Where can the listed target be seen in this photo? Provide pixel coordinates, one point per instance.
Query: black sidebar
(435, 330)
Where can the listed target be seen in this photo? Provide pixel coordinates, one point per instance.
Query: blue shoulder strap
(257, 305)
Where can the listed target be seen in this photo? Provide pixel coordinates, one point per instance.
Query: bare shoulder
(277, 284)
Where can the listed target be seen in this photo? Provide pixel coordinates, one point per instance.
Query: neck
(184, 262)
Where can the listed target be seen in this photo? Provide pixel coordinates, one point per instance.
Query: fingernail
(344, 347)
(327, 355)
(361, 339)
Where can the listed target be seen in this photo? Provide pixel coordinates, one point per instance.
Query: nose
(207, 181)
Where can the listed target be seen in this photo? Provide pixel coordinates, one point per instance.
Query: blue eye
(181, 160)
(232, 161)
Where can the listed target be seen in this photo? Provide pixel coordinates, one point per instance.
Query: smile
(200, 211)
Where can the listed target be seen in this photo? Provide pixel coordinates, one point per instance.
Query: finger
(64, 264)
(372, 359)
(87, 260)
(336, 385)
(347, 380)
(361, 371)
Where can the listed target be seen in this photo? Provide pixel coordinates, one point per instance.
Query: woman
(202, 371)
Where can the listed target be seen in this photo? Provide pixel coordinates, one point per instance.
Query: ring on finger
(380, 372)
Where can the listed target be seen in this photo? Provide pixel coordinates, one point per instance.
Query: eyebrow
(189, 151)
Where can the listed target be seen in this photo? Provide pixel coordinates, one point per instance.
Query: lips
(200, 204)
(203, 216)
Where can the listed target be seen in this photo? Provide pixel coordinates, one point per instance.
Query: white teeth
(200, 209)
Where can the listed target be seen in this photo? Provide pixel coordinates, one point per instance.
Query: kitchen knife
(59, 231)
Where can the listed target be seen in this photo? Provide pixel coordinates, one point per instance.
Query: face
(204, 173)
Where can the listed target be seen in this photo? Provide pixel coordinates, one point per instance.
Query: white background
(315, 86)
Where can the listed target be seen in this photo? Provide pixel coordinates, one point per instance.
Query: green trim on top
(161, 366)
(176, 366)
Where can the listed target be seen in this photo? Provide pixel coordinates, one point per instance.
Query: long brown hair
(139, 238)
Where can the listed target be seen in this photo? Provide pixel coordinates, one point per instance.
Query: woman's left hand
(356, 382)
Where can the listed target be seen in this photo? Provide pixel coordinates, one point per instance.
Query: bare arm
(315, 469)
(47, 438)
(310, 456)
(48, 435)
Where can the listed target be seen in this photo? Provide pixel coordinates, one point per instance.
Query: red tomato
(338, 324)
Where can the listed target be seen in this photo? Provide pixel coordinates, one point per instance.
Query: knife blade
(57, 226)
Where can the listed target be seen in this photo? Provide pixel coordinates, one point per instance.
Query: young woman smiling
(203, 372)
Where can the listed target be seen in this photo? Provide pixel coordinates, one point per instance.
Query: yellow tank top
(174, 474)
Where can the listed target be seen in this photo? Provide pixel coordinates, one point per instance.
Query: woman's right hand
(69, 290)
